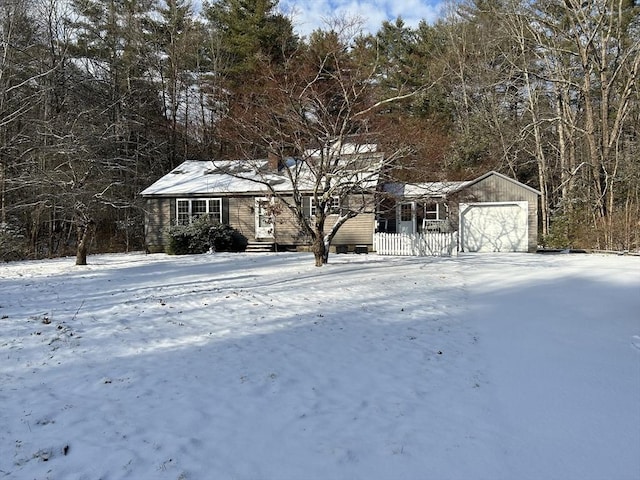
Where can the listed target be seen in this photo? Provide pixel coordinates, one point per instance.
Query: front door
(406, 215)
(264, 221)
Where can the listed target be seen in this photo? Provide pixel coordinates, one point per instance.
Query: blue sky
(308, 15)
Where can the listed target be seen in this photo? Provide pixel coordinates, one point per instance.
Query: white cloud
(309, 15)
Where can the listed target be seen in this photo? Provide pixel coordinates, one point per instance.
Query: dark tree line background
(99, 98)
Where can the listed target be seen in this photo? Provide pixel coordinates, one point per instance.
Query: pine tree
(249, 29)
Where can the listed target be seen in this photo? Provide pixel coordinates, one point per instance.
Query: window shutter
(306, 205)
(172, 211)
(225, 210)
(344, 205)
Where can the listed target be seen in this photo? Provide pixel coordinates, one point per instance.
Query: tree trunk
(84, 238)
(3, 207)
(320, 251)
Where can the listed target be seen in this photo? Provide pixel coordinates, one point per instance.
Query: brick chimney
(273, 161)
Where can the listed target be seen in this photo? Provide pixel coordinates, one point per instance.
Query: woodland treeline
(98, 99)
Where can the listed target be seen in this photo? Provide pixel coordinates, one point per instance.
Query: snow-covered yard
(266, 367)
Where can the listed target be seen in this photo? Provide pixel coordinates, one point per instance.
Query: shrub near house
(202, 235)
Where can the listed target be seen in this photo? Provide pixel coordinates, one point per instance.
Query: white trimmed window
(189, 208)
(334, 206)
(406, 212)
(435, 211)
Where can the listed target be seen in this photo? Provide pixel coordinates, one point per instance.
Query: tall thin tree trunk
(3, 196)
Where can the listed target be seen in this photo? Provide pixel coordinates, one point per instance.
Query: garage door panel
(494, 227)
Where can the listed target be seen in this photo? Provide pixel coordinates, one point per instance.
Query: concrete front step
(260, 247)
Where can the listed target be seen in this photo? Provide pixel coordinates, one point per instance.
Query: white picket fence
(416, 244)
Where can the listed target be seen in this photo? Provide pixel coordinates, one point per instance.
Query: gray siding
(239, 212)
(241, 215)
(494, 188)
(158, 215)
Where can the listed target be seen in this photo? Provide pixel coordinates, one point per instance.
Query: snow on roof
(425, 189)
(198, 177)
(348, 148)
(194, 177)
(442, 189)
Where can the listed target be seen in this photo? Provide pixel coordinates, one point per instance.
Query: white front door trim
(404, 225)
(263, 220)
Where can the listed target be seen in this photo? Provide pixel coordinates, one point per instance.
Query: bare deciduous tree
(316, 114)
(583, 65)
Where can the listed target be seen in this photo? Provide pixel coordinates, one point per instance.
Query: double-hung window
(187, 209)
(434, 211)
(333, 205)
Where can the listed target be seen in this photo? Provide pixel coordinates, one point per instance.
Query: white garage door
(493, 227)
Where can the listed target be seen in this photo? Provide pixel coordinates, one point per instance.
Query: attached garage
(494, 227)
(493, 213)
(497, 214)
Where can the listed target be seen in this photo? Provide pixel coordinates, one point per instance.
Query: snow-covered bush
(202, 235)
(223, 238)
